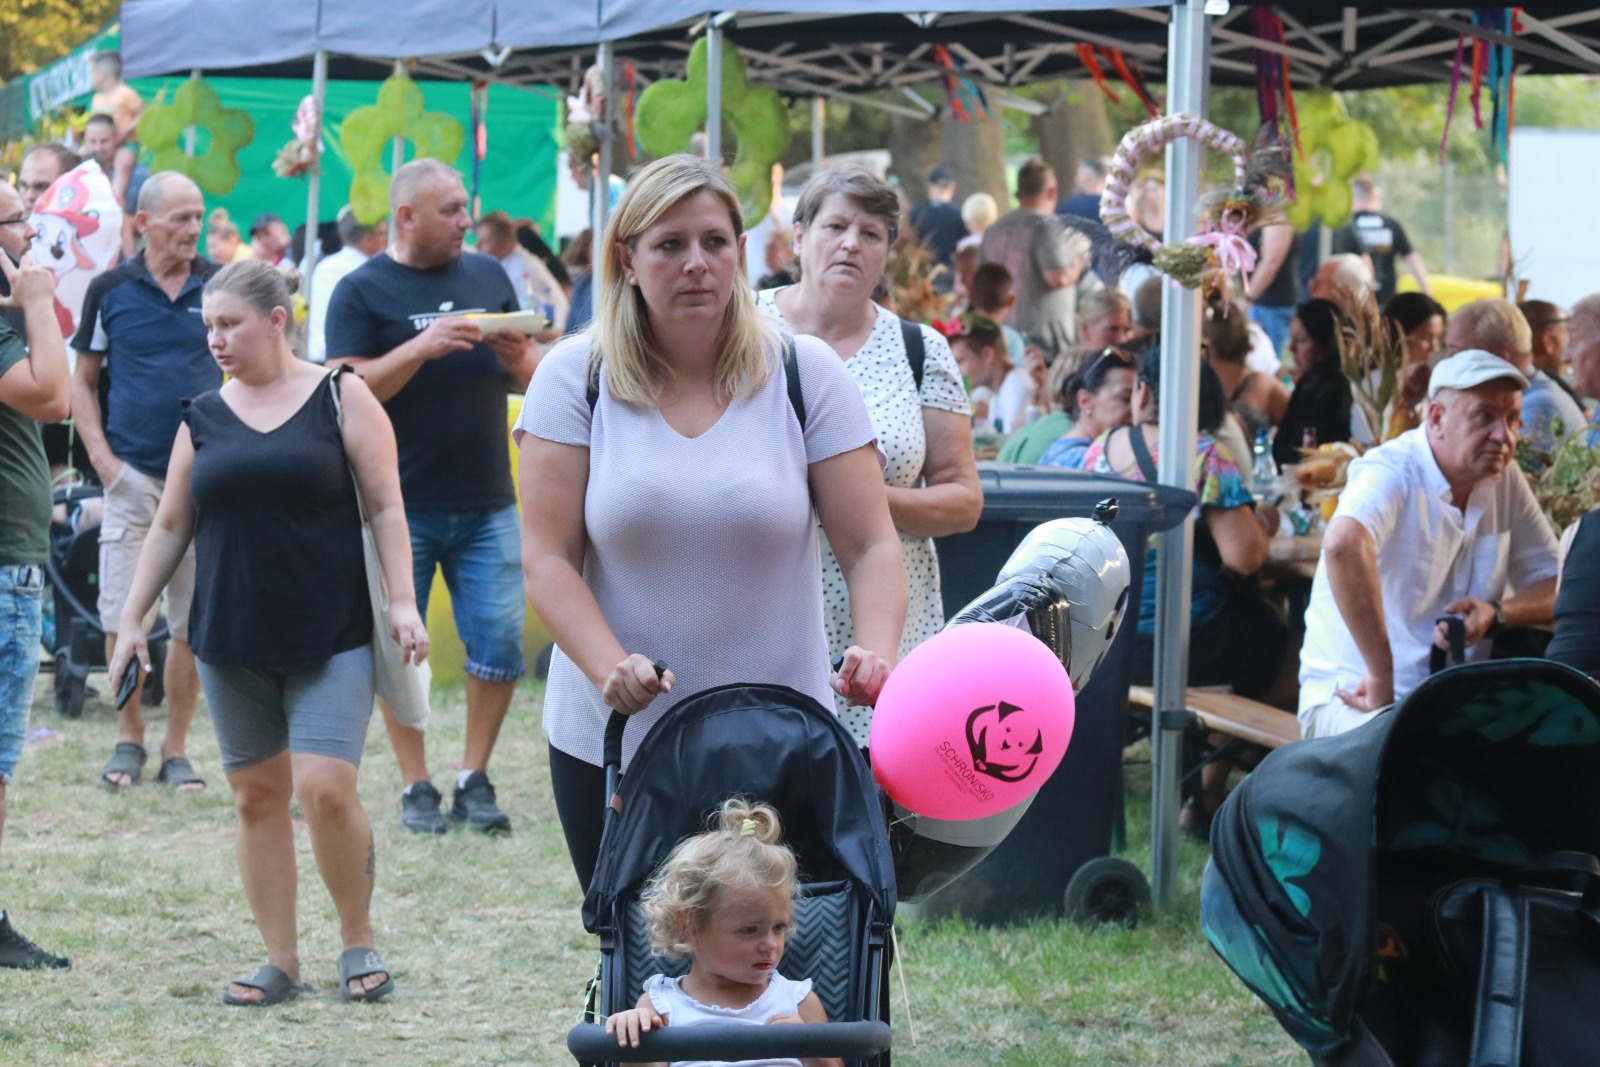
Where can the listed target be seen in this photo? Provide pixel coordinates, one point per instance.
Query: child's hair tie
(748, 828)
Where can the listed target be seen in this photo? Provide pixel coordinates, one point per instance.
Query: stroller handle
(590, 1043)
(612, 753)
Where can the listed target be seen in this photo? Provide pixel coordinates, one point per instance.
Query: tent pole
(819, 120)
(1188, 73)
(600, 183)
(397, 154)
(319, 93)
(191, 133)
(714, 88)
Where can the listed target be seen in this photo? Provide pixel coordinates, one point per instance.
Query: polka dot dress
(883, 372)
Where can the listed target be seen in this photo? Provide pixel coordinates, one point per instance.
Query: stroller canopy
(1481, 770)
(763, 741)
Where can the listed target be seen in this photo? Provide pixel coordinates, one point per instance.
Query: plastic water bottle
(1264, 473)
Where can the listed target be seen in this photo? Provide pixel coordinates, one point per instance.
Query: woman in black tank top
(263, 480)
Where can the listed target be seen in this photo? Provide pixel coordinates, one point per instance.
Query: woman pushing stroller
(724, 899)
(675, 460)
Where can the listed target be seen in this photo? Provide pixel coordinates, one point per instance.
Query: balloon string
(905, 994)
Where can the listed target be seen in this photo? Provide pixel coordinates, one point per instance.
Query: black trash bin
(1056, 861)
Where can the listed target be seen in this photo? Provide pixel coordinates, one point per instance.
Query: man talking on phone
(35, 386)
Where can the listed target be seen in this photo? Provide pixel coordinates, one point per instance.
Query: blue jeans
(1275, 321)
(481, 555)
(21, 621)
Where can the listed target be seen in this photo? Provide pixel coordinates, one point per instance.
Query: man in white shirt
(360, 243)
(1439, 521)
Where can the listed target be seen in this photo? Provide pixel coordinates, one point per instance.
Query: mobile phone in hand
(129, 682)
(5, 283)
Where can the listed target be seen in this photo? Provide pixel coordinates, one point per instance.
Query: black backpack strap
(916, 350)
(1502, 979)
(591, 378)
(1455, 630)
(1141, 455)
(791, 374)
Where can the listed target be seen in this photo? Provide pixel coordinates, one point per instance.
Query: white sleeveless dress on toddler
(782, 996)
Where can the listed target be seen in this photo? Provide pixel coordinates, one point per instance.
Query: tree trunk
(975, 152)
(913, 153)
(1075, 128)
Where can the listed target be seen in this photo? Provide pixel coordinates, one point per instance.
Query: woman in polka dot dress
(844, 224)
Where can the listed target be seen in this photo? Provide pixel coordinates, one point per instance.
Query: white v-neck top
(702, 552)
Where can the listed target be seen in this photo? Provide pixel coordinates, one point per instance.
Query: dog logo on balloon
(997, 736)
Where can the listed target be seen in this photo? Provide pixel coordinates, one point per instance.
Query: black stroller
(1424, 890)
(76, 644)
(778, 745)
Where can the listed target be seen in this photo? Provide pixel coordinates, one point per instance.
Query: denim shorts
(480, 553)
(21, 600)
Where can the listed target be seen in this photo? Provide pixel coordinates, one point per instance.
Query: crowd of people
(719, 482)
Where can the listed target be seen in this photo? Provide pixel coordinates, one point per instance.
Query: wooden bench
(1247, 720)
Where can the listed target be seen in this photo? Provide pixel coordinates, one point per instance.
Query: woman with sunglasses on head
(1098, 398)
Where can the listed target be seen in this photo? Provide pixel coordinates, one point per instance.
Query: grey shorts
(322, 710)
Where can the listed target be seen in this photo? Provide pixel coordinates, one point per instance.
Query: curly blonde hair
(741, 851)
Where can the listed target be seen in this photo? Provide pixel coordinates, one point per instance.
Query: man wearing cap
(1439, 521)
(938, 224)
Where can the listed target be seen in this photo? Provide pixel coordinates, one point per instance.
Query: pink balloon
(972, 722)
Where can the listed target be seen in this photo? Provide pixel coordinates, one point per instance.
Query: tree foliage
(34, 33)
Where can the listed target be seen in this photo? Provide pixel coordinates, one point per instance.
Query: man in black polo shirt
(142, 322)
(34, 384)
(397, 319)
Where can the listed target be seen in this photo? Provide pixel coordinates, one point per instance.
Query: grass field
(485, 940)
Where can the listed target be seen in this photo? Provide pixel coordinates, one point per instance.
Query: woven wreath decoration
(1227, 213)
(164, 126)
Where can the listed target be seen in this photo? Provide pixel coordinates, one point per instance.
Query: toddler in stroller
(776, 744)
(724, 900)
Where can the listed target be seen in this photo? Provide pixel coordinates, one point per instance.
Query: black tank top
(280, 580)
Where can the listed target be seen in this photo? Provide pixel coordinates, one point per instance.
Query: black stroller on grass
(77, 644)
(778, 745)
(1425, 890)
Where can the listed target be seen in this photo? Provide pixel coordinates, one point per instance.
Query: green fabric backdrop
(517, 175)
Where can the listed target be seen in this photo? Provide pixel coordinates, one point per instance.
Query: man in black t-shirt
(1381, 239)
(398, 320)
(938, 224)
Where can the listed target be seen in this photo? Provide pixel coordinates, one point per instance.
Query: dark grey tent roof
(824, 46)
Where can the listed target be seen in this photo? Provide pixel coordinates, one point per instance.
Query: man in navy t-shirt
(398, 321)
(141, 323)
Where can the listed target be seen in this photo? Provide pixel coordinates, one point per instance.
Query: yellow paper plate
(531, 323)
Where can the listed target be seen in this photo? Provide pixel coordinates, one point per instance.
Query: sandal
(127, 757)
(361, 963)
(179, 772)
(276, 987)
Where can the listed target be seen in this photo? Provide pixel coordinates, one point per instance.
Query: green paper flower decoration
(1334, 149)
(365, 137)
(196, 104)
(669, 112)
